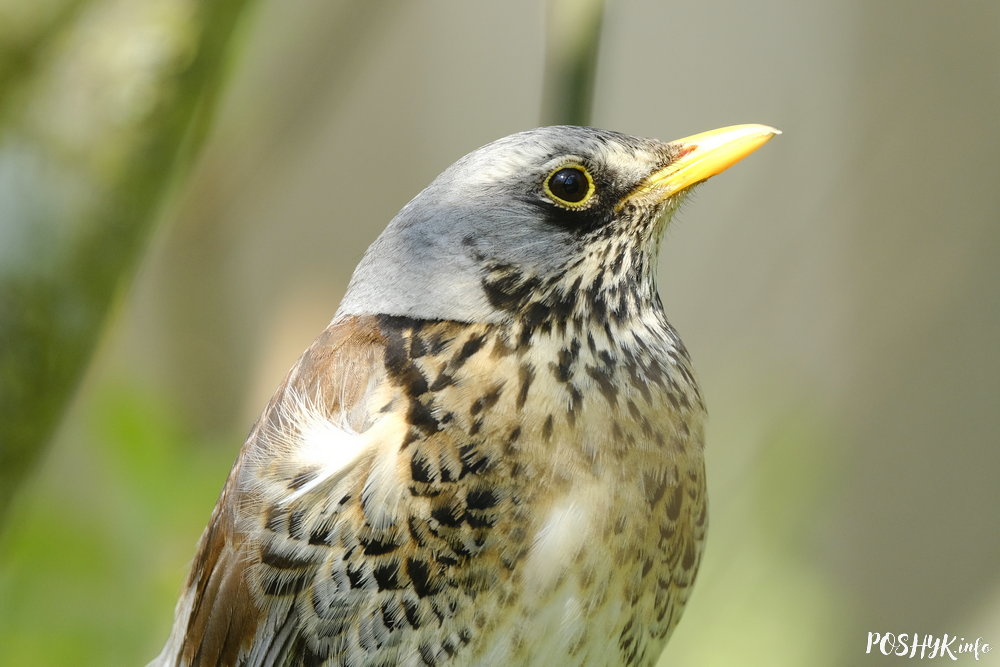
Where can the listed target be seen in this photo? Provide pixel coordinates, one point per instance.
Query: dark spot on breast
(625, 644)
(506, 289)
(376, 545)
(524, 339)
(599, 307)
(441, 381)
(445, 559)
(596, 286)
(420, 417)
(386, 576)
(448, 474)
(501, 347)
(356, 575)
(417, 346)
(419, 573)
(487, 400)
(667, 532)
(392, 614)
(655, 485)
(616, 264)
(474, 461)
(639, 380)
(412, 610)
(420, 468)
(459, 547)
(480, 520)
(321, 535)
(437, 340)
(620, 312)
(563, 303)
(428, 655)
(526, 374)
(443, 608)
(481, 499)
(547, 429)
(400, 367)
(603, 379)
(418, 531)
(447, 514)
(560, 328)
(534, 315)
(627, 630)
(469, 348)
(673, 400)
(689, 555)
(616, 431)
(396, 350)
(563, 368)
(675, 502)
(575, 401)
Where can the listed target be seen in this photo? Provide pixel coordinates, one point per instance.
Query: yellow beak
(700, 157)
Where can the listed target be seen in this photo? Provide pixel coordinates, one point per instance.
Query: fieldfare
(493, 455)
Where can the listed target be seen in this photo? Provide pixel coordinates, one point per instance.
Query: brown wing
(356, 525)
(223, 618)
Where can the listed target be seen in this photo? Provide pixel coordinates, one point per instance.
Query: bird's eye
(571, 187)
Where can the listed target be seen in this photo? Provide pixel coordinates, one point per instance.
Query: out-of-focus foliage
(101, 105)
(572, 39)
(82, 572)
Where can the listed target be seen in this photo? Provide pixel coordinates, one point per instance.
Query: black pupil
(569, 184)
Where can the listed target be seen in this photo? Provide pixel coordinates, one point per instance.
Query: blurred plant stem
(572, 37)
(81, 200)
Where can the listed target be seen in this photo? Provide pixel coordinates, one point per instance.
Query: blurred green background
(185, 188)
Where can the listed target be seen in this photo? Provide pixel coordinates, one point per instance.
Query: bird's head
(539, 220)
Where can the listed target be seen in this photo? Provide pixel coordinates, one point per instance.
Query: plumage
(493, 454)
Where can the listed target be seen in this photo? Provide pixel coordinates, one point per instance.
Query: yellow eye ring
(570, 186)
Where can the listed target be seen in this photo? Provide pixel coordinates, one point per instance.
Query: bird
(494, 453)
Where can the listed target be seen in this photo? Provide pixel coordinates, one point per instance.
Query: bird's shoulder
(352, 510)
